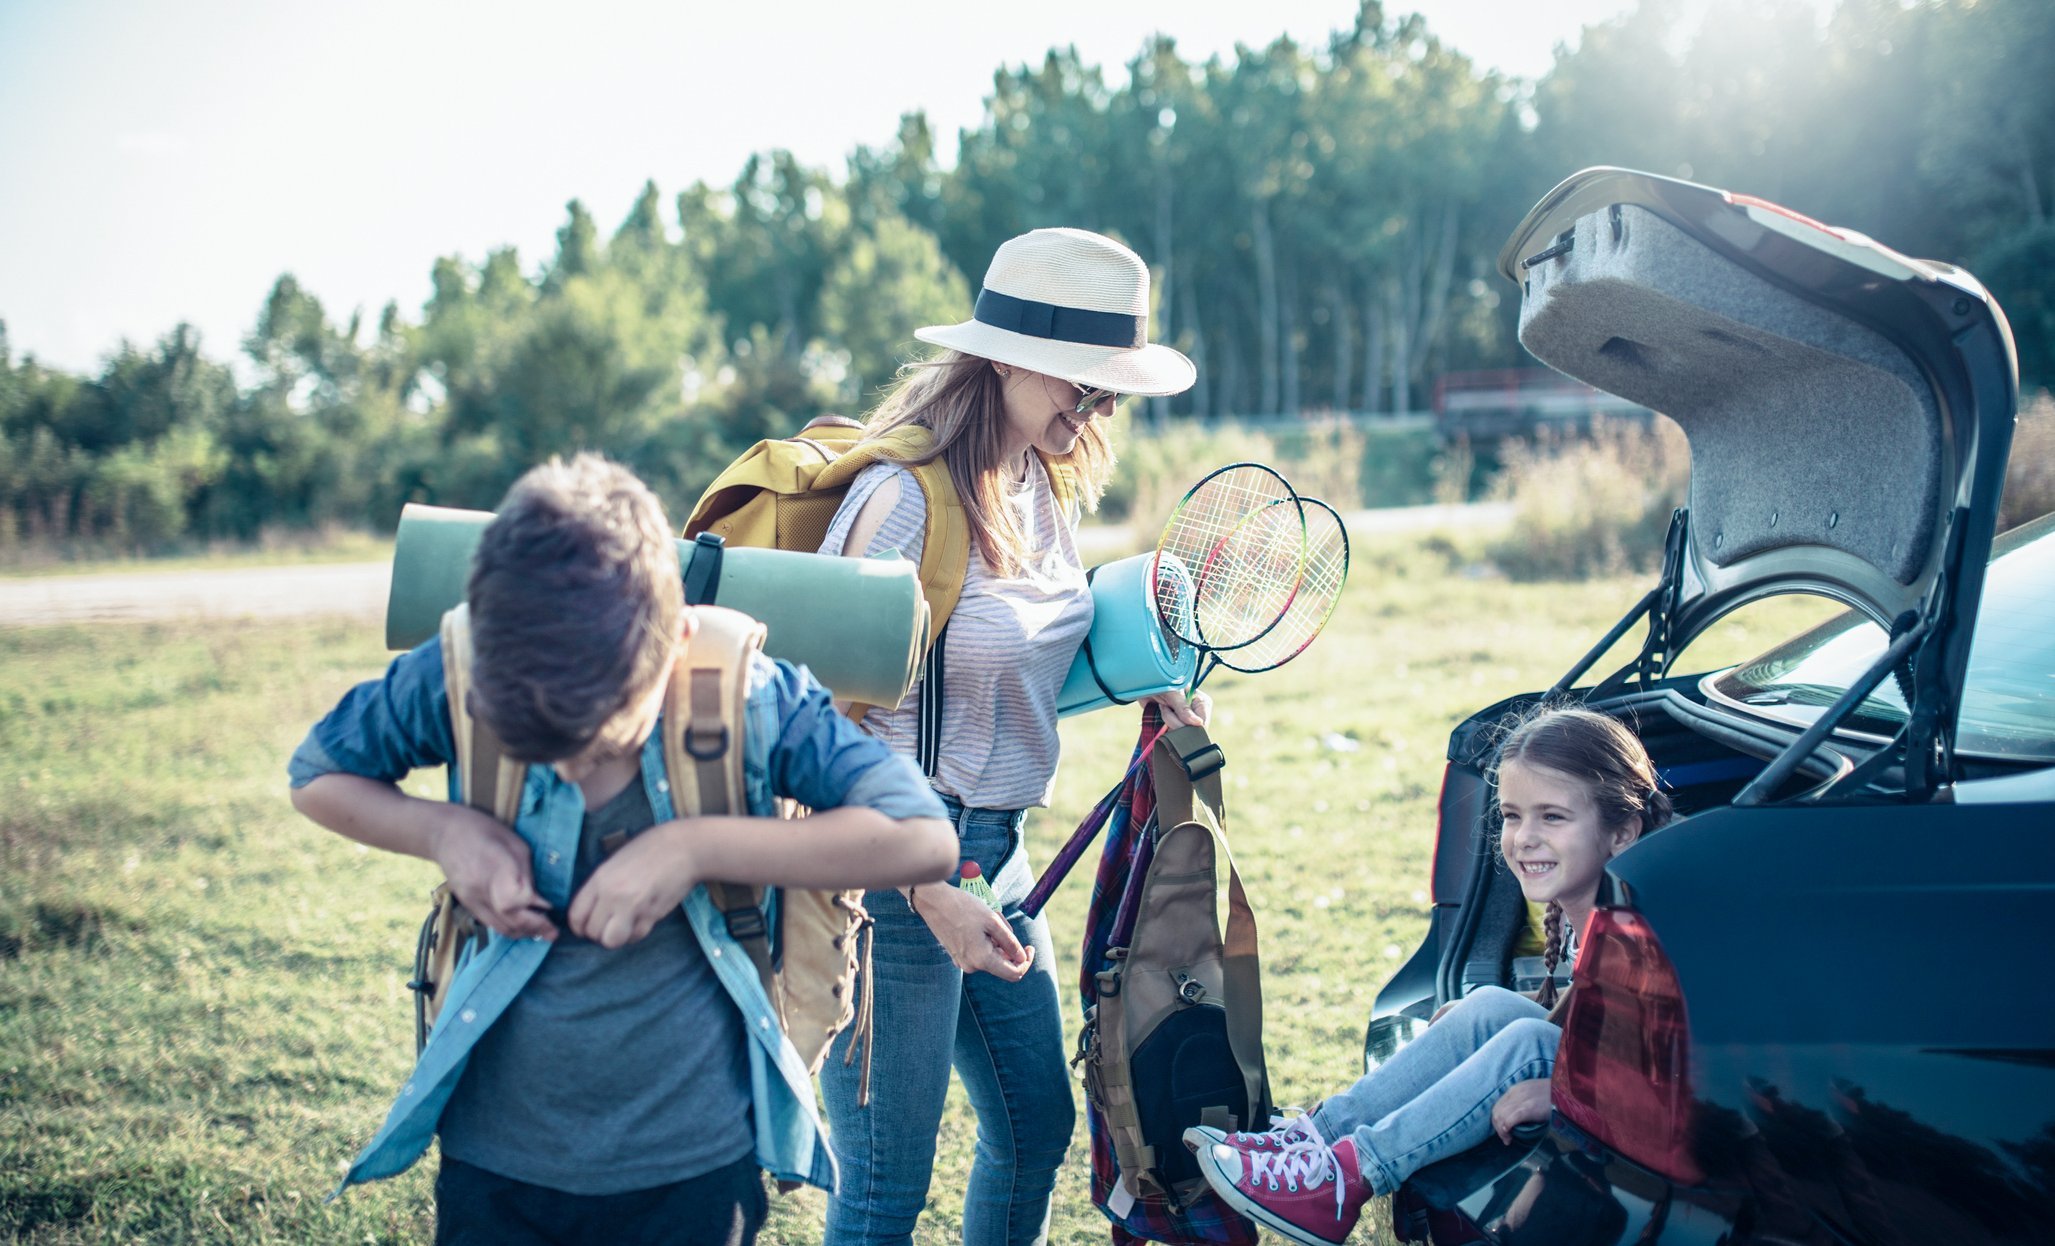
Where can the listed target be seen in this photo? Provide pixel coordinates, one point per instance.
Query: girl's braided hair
(1609, 759)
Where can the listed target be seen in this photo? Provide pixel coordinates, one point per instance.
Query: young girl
(1574, 788)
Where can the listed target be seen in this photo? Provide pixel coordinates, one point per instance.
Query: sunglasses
(1089, 399)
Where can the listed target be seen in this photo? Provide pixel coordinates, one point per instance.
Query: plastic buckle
(745, 924)
(694, 733)
(1202, 762)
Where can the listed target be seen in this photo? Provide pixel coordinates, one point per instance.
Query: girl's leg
(1009, 1052)
(1454, 1114)
(1424, 1062)
(886, 1152)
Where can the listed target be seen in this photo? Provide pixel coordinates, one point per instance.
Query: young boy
(609, 1067)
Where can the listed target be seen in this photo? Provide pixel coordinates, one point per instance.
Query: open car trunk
(1849, 411)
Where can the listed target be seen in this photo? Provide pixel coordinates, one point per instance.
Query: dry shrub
(1343, 464)
(2030, 472)
(1156, 468)
(1588, 505)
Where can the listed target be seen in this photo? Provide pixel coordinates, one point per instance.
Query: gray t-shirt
(611, 1070)
(1010, 642)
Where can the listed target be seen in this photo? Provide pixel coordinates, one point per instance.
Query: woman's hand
(637, 887)
(1178, 712)
(488, 869)
(1523, 1104)
(976, 938)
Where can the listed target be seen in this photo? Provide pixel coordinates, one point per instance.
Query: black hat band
(1057, 323)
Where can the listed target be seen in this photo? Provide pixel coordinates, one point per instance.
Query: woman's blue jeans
(1005, 1039)
(1433, 1098)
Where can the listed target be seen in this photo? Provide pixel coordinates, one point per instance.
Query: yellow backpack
(784, 495)
(809, 970)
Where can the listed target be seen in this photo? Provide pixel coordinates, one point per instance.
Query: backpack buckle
(697, 747)
(1202, 762)
(745, 924)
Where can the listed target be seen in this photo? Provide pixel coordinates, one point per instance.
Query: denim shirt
(794, 745)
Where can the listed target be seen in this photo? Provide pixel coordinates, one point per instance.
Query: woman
(1019, 392)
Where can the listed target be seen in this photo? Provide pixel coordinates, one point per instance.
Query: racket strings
(1313, 601)
(1248, 579)
(1220, 574)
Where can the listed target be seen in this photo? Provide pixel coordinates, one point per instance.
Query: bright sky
(167, 161)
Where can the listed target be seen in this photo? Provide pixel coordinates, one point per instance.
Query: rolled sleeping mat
(1129, 654)
(860, 624)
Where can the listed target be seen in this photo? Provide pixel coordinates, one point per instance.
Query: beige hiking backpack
(808, 969)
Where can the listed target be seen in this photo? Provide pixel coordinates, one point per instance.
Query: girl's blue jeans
(1005, 1040)
(1433, 1098)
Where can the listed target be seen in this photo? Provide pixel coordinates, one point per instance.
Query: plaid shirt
(1207, 1219)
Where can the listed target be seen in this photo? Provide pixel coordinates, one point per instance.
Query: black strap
(703, 573)
(928, 724)
(1057, 322)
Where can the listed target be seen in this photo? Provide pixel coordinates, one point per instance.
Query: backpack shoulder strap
(945, 546)
(487, 779)
(1063, 482)
(704, 708)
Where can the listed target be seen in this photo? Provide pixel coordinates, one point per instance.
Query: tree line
(1322, 222)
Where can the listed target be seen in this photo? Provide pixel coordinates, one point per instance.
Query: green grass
(202, 1013)
(286, 548)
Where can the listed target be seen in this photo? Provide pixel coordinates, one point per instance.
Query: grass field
(280, 549)
(202, 1013)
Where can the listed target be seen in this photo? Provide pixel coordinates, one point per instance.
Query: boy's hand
(637, 887)
(1522, 1104)
(488, 868)
(976, 938)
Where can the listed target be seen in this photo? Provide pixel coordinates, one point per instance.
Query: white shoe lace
(1283, 1133)
(1306, 1161)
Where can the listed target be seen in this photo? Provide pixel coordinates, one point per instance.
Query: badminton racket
(1313, 601)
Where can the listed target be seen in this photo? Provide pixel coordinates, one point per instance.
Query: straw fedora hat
(1072, 304)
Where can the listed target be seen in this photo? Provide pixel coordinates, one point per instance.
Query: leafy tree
(891, 279)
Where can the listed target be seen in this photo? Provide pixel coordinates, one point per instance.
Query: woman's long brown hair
(959, 400)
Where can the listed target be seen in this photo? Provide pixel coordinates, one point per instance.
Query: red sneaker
(1297, 1129)
(1308, 1191)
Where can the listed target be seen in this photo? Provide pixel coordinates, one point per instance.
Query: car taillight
(1751, 201)
(1622, 1072)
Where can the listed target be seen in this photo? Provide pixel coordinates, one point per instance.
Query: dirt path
(358, 589)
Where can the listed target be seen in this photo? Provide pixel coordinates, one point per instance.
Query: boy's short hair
(575, 602)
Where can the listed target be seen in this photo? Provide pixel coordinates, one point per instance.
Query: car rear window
(2008, 704)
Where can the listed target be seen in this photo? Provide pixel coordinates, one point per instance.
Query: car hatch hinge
(1660, 605)
(1657, 650)
(1929, 740)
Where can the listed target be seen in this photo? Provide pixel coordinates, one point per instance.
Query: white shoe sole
(1224, 1186)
